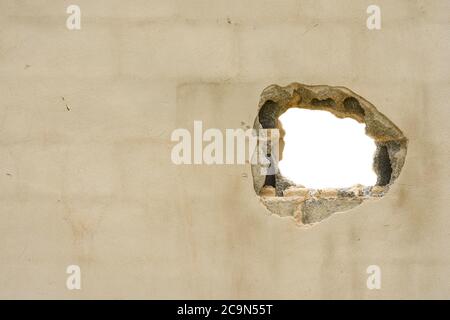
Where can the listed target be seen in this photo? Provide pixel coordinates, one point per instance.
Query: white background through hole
(323, 151)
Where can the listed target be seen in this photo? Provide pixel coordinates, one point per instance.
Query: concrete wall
(85, 170)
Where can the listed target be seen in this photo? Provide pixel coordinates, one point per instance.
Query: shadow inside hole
(383, 166)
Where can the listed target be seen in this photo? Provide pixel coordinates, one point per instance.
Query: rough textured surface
(343, 103)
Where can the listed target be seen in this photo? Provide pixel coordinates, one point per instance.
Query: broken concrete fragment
(378, 191)
(282, 206)
(267, 191)
(327, 193)
(315, 210)
(357, 190)
(296, 191)
(308, 206)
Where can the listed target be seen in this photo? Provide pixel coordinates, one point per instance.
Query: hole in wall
(323, 151)
(336, 150)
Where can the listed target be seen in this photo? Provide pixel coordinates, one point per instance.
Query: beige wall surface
(86, 176)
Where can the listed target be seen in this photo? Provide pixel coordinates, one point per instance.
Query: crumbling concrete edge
(310, 206)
